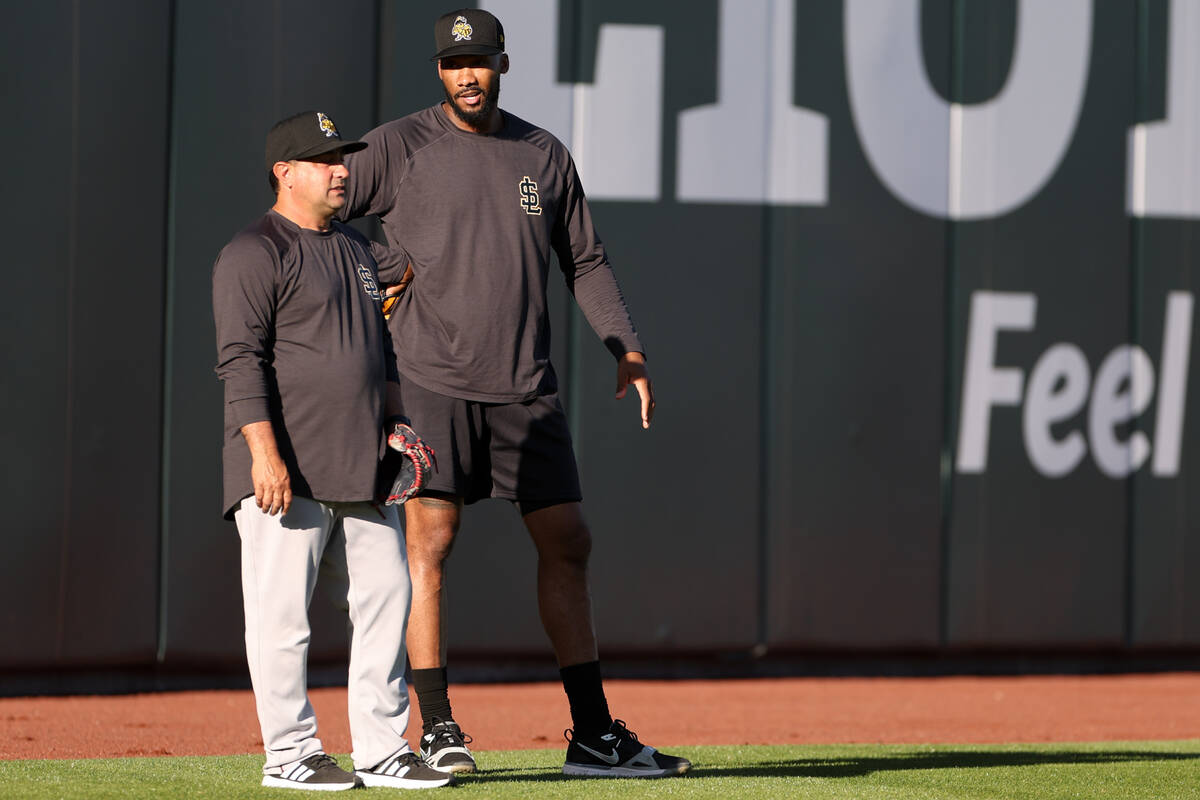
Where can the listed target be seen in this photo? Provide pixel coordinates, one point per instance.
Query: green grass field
(1124, 770)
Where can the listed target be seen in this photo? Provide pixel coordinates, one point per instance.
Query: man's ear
(503, 63)
(281, 171)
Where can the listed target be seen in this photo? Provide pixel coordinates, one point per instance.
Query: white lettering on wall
(1172, 393)
(609, 116)
(976, 161)
(985, 384)
(1058, 389)
(614, 126)
(1124, 386)
(1164, 157)
(753, 145)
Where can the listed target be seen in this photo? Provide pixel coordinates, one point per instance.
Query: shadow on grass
(942, 759)
(857, 767)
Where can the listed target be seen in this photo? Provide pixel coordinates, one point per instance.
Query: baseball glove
(406, 464)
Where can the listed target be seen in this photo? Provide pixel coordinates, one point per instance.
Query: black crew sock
(432, 696)
(585, 693)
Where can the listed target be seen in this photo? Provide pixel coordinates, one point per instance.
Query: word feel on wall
(1060, 384)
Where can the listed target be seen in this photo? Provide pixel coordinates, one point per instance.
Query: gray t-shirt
(301, 341)
(478, 216)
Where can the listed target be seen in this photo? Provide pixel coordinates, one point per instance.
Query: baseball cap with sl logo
(467, 32)
(305, 135)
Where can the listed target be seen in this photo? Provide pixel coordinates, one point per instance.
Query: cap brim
(325, 147)
(330, 146)
(468, 50)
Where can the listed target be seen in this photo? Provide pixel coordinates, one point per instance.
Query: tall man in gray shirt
(304, 353)
(476, 200)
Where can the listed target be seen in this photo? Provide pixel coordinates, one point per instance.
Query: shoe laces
(442, 730)
(409, 759)
(617, 729)
(319, 760)
(621, 732)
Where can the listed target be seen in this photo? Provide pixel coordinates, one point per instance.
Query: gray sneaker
(317, 773)
(403, 771)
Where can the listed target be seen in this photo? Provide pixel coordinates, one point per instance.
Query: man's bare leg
(597, 746)
(432, 524)
(564, 544)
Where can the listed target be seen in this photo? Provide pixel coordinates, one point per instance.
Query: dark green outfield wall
(923, 270)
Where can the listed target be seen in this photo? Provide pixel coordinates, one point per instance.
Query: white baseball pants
(360, 555)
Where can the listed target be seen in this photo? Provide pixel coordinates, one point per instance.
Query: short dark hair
(273, 181)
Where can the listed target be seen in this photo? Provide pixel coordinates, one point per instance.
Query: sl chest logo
(530, 200)
(368, 282)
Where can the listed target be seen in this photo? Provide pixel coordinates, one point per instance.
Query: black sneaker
(403, 771)
(317, 773)
(445, 748)
(618, 754)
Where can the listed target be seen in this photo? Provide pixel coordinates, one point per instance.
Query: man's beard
(477, 117)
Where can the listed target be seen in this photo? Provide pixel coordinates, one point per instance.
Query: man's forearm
(260, 438)
(603, 305)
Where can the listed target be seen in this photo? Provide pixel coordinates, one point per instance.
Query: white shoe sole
(393, 782)
(284, 783)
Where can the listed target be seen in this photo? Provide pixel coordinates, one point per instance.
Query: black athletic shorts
(514, 451)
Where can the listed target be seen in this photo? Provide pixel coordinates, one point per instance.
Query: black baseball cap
(467, 32)
(303, 136)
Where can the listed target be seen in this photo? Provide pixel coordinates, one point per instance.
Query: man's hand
(272, 485)
(391, 295)
(631, 368)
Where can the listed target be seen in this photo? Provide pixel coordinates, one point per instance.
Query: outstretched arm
(590, 278)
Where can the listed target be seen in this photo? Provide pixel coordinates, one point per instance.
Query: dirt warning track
(663, 713)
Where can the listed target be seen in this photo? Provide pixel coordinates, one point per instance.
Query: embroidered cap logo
(326, 125)
(462, 29)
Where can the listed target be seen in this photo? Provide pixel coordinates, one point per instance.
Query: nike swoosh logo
(609, 758)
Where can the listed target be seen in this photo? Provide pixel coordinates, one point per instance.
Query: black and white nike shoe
(445, 748)
(618, 754)
(317, 773)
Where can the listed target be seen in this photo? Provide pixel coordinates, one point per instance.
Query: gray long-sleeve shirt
(301, 341)
(478, 216)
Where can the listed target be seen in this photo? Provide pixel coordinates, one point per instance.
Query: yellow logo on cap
(462, 29)
(326, 125)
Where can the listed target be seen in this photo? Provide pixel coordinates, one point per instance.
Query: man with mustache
(476, 200)
(307, 363)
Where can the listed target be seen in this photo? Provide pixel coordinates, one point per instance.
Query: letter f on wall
(985, 384)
